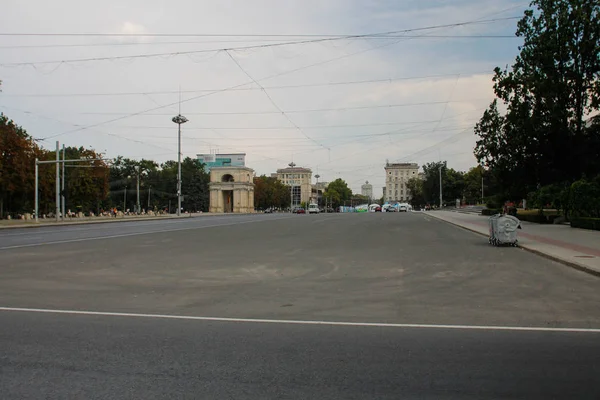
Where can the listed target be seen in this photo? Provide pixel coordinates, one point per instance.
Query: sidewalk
(578, 248)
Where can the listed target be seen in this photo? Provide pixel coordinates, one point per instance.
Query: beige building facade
(231, 190)
(396, 177)
(299, 179)
(367, 190)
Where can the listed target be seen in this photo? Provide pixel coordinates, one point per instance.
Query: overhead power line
(219, 91)
(86, 34)
(374, 37)
(298, 86)
(273, 102)
(294, 126)
(178, 53)
(320, 63)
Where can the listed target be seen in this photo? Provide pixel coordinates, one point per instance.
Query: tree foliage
(338, 192)
(415, 188)
(270, 192)
(549, 92)
(158, 185)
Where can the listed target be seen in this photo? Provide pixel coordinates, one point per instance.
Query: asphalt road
(357, 268)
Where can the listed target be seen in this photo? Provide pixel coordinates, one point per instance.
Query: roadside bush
(586, 223)
(538, 218)
(491, 211)
(584, 200)
(493, 202)
(554, 196)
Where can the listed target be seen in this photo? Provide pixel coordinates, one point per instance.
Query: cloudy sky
(291, 86)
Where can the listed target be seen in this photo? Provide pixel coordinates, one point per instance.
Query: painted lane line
(299, 322)
(135, 234)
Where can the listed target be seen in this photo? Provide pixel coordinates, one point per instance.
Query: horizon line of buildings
(304, 191)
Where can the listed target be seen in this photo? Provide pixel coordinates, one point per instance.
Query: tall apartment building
(367, 190)
(396, 177)
(300, 180)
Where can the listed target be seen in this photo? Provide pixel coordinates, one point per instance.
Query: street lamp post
(179, 119)
(481, 183)
(441, 187)
(292, 165)
(138, 208)
(317, 176)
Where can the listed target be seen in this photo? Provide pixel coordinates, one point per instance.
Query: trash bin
(503, 230)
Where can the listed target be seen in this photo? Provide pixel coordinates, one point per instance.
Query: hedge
(586, 223)
(538, 218)
(491, 211)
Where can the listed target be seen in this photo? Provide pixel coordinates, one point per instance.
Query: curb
(104, 221)
(568, 263)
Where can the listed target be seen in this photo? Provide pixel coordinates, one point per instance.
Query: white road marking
(136, 234)
(299, 322)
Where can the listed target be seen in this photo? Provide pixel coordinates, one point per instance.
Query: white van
(313, 209)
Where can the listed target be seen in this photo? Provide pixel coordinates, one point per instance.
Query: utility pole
(179, 119)
(441, 186)
(37, 205)
(57, 181)
(317, 176)
(149, 189)
(125, 200)
(62, 197)
(481, 183)
(292, 165)
(138, 208)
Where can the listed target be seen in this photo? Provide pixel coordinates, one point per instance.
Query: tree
(86, 183)
(473, 180)
(270, 192)
(194, 185)
(550, 91)
(415, 188)
(18, 152)
(431, 184)
(337, 192)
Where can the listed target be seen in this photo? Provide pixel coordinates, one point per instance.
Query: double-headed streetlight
(179, 119)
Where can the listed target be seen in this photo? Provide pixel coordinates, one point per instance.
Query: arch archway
(227, 178)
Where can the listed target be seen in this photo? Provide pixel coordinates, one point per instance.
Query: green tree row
(93, 185)
(543, 128)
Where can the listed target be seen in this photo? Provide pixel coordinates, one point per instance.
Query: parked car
(269, 211)
(403, 208)
(378, 209)
(391, 209)
(313, 209)
(300, 211)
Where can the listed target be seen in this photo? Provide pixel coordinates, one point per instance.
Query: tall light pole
(125, 199)
(57, 208)
(317, 176)
(292, 165)
(138, 208)
(441, 186)
(481, 183)
(62, 182)
(179, 119)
